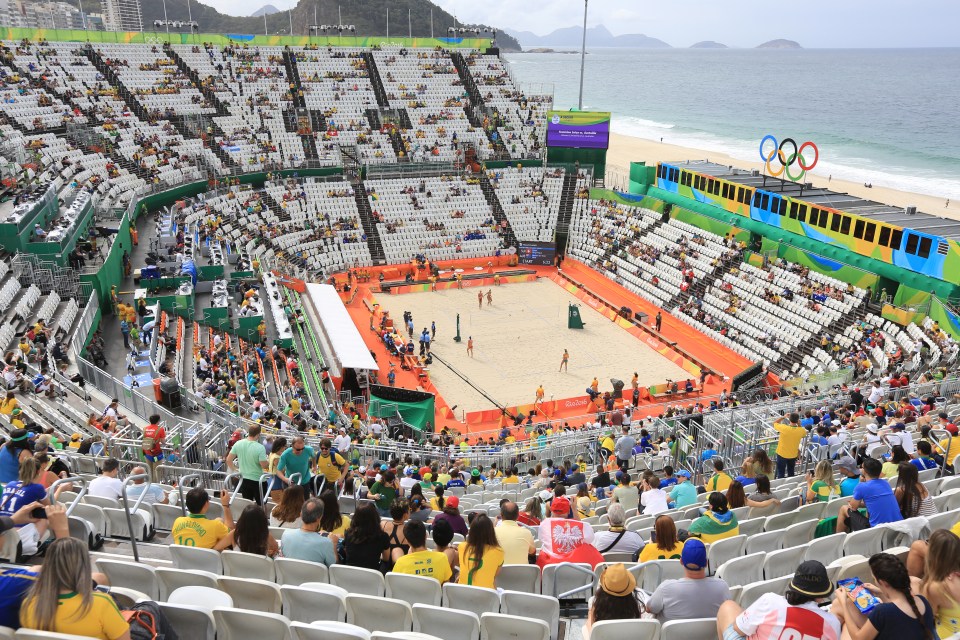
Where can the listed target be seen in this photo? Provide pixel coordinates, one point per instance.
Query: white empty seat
(519, 577)
(530, 605)
(328, 631)
(625, 630)
(379, 613)
(204, 597)
(238, 564)
(358, 580)
(255, 595)
(693, 629)
(413, 589)
(723, 550)
(131, 575)
(742, 570)
(450, 624)
(190, 621)
(296, 572)
(467, 598)
(498, 626)
(240, 624)
(170, 580)
(196, 558)
(312, 602)
(783, 562)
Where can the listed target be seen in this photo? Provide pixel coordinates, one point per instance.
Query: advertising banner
(578, 129)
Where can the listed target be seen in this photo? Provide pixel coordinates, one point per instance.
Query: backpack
(147, 622)
(149, 441)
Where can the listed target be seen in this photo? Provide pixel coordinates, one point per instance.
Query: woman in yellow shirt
(332, 521)
(63, 600)
(480, 555)
(667, 547)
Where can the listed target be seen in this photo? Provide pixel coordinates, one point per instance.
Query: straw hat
(617, 581)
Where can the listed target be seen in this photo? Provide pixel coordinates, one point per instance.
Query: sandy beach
(626, 149)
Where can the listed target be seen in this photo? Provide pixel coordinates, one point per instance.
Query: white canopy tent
(347, 347)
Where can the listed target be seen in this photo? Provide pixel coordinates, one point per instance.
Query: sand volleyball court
(519, 342)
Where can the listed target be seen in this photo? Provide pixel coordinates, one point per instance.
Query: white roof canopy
(341, 333)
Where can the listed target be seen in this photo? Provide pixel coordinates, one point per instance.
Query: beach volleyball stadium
(219, 252)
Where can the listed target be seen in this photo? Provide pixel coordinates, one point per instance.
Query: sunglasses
(297, 450)
(324, 448)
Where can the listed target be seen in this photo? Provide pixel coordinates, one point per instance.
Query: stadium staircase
(191, 73)
(699, 288)
(476, 107)
(568, 195)
(274, 206)
(373, 117)
(59, 130)
(299, 104)
(509, 238)
(114, 81)
(369, 224)
(806, 348)
(376, 80)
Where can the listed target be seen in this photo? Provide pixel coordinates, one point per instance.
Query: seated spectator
(252, 533)
(912, 495)
(365, 544)
(152, 493)
(720, 479)
(531, 514)
(399, 513)
(940, 585)
(63, 599)
(617, 539)
(891, 467)
(480, 555)
(821, 487)
(736, 497)
(874, 494)
(196, 530)
(900, 614)
(795, 614)
(684, 493)
(286, 514)
(924, 459)
(308, 542)
(420, 561)
(625, 494)
(664, 544)
(332, 521)
(717, 523)
(107, 484)
(515, 540)
(615, 599)
(694, 595)
(451, 514)
(442, 537)
(652, 497)
(26, 491)
(848, 468)
(763, 496)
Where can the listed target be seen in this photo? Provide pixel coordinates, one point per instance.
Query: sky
(739, 23)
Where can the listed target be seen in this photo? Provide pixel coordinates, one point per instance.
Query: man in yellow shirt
(332, 467)
(788, 447)
(606, 445)
(420, 561)
(720, 480)
(951, 449)
(196, 529)
(516, 541)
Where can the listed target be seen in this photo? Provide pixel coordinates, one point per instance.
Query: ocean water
(887, 117)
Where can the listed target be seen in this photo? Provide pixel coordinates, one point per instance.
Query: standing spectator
(249, 457)
(617, 539)
(480, 555)
(420, 561)
(330, 465)
(616, 598)
(624, 448)
(788, 446)
(515, 540)
(125, 331)
(693, 596)
(154, 437)
(773, 615)
(307, 542)
(296, 460)
(873, 493)
(900, 614)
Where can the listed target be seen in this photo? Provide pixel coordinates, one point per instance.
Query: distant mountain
(369, 17)
(267, 9)
(598, 36)
(709, 44)
(780, 44)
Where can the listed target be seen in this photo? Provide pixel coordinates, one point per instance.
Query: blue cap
(684, 473)
(694, 555)
(899, 426)
(383, 467)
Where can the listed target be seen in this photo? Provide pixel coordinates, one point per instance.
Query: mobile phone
(39, 513)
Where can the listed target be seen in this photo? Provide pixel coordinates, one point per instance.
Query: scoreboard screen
(542, 253)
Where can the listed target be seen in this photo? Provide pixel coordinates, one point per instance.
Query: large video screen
(578, 129)
(542, 253)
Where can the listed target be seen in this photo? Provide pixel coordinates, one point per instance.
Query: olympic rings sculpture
(788, 160)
